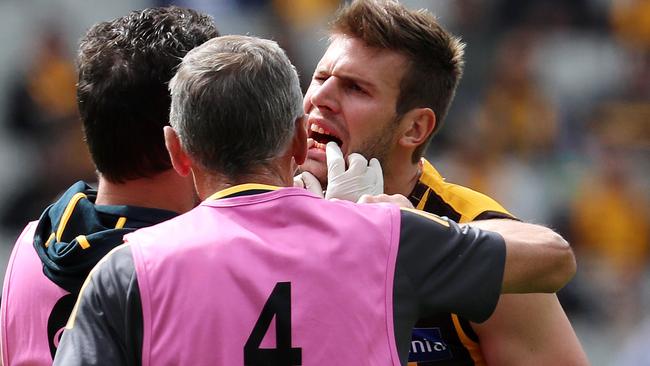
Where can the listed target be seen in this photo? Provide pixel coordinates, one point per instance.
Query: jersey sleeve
(450, 268)
(105, 327)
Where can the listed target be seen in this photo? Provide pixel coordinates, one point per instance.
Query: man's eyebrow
(356, 79)
(346, 77)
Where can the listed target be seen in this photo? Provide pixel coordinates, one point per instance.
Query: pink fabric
(205, 276)
(27, 300)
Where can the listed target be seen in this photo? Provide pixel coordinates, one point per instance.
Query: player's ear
(418, 125)
(299, 143)
(180, 160)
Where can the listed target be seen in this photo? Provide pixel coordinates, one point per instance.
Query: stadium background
(552, 118)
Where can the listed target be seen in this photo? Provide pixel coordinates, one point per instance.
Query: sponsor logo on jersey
(427, 345)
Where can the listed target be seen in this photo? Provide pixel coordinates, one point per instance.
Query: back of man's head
(235, 101)
(124, 67)
(435, 56)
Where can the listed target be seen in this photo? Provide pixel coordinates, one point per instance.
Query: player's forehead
(352, 57)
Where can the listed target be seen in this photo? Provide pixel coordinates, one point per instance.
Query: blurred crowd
(552, 119)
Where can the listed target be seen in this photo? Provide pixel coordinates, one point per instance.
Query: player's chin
(317, 168)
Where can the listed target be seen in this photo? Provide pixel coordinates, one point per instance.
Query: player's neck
(166, 190)
(401, 178)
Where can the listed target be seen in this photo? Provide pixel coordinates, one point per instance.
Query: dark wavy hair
(124, 68)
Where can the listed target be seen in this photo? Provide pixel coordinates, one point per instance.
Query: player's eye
(320, 78)
(352, 86)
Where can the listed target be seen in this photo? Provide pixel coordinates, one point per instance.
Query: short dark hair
(435, 56)
(124, 67)
(235, 101)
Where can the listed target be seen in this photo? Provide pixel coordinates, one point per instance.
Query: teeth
(314, 127)
(311, 143)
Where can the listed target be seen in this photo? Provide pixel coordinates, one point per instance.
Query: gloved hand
(360, 178)
(309, 182)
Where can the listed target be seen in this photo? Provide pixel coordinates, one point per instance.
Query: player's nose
(324, 96)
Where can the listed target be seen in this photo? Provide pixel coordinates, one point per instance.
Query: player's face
(351, 100)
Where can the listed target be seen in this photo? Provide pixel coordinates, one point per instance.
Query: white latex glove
(309, 182)
(360, 178)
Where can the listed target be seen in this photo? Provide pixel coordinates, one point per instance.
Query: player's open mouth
(321, 136)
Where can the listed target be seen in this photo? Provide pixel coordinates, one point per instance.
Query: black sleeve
(450, 268)
(106, 325)
(492, 215)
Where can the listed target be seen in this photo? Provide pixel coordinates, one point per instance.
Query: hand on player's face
(349, 182)
(309, 182)
(358, 179)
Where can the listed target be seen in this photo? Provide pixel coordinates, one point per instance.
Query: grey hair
(234, 103)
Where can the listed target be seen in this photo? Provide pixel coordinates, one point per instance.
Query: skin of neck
(276, 173)
(166, 190)
(400, 173)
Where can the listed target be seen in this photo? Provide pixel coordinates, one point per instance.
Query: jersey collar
(243, 190)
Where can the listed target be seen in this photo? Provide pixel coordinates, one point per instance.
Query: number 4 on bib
(279, 305)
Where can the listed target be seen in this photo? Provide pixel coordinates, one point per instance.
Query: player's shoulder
(468, 203)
